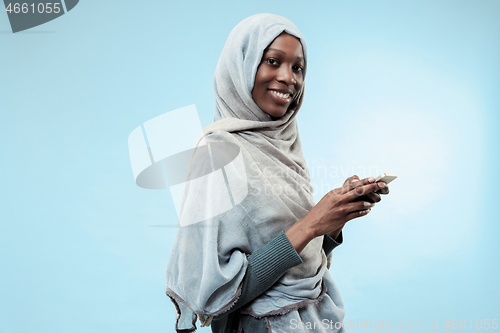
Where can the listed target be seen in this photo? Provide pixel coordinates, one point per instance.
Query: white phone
(386, 177)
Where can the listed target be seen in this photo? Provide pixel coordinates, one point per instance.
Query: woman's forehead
(286, 43)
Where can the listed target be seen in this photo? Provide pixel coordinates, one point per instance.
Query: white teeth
(284, 96)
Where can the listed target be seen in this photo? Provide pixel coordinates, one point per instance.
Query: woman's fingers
(385, 190)
(373, 197)
(357, 209)
(359, 213)
(354, 199)
(350, 180)
(338, 206)
(348, 183)
(361, 190)
(353, 182)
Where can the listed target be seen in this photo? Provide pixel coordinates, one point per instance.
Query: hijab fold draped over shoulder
(246, 182)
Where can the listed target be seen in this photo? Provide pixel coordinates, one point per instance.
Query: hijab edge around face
(235, 73)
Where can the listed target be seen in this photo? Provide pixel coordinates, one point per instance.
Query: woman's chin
(276, 114)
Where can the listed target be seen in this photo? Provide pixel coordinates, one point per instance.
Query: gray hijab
(255, 185)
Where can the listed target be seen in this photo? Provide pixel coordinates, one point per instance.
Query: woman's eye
(272, 62)
(298, 68)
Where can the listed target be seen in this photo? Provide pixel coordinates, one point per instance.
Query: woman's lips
(279, 97)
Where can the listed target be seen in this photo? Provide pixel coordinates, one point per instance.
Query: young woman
(261, 264)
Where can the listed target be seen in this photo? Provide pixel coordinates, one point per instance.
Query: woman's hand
(372, 197)
(354, 199)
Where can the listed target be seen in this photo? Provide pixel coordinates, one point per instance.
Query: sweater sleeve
(278, 254)
(329, 243)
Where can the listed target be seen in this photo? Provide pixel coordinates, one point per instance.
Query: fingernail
(368, 204)
(381, 184)
(371, 179)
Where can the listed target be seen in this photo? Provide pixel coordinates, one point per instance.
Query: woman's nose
(286, 75)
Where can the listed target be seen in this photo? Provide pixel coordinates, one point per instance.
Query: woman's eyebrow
(277, 50)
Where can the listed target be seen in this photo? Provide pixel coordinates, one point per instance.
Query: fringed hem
(205, 321)
(178, 316)
(268, 326)
(288, 308)
(200, 315)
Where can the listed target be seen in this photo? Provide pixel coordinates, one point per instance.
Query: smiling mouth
(282, 96)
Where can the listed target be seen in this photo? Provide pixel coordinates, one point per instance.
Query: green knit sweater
(281, 256)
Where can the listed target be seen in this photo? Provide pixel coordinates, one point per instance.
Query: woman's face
(279, 75)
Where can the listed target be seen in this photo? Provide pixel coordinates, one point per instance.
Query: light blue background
(393, 86)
